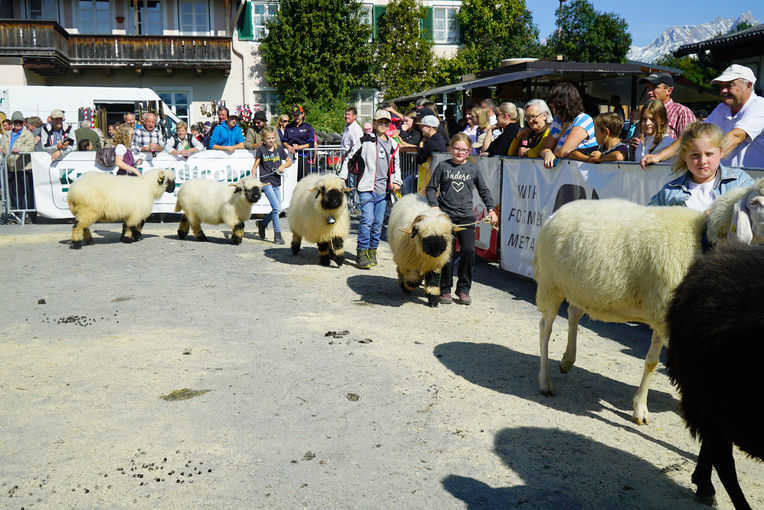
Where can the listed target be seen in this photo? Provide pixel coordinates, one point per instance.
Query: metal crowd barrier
(324, 159)
(17, 187)
(328, 158)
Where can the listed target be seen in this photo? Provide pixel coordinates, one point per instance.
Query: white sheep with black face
(318, 213)
(104, 197)
(420, 239)
(212, 202)
(618, 262)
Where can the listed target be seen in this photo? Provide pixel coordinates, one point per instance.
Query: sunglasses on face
(534, 117)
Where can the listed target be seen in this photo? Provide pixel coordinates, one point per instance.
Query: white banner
(52, 179)
(531, 193)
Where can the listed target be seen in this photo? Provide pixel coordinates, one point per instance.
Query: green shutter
(379, 10)
(427, 23)
(244, 23)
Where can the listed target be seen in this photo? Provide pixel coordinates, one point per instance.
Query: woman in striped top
(571, 134)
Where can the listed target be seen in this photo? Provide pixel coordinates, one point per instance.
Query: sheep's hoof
(641, 421)
(708, 499)
(404, 288)
(137, 236)
(76, 245)
(339, 260)
(201, 238)
(547, 390)
(433, 301)
(295, 249)
(565, 366)
(235, 240)
(90, 242)
(127, 240)
(324, 260)
(182, 234)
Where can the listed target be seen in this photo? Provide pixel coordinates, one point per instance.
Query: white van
(108, 104)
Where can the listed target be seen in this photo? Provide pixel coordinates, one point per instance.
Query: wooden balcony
(48, 49)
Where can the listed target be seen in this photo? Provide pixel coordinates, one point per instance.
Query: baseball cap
(297, 109)
(382, 114)
(430, 120)
(17, 116)
(208, 123)
(734, 72)
(260, 115)
(657, 78)
(57, 114)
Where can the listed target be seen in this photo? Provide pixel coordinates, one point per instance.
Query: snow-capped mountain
(676, 36)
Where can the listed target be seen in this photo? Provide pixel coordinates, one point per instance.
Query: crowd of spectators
(553, 128)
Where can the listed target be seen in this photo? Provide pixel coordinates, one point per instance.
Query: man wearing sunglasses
(20, 184)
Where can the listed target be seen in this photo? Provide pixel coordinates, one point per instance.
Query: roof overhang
(556, 71)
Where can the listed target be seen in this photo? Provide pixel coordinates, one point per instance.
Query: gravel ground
(310, 387)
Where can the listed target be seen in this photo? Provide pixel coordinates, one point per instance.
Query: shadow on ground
(578, 392)
(306, 257)
(634, 337)
(381, 290)
(107, 237)
(567, 471)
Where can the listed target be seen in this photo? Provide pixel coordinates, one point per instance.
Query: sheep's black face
(253, 194)
(331, 199)
(434, 245)
(170, 187)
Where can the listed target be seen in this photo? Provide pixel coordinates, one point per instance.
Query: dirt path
(402, 407)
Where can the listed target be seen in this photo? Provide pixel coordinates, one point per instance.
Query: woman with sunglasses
(281, 128)
(530, 140)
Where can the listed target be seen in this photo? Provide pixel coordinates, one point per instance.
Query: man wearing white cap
(432, 139)
(56, 139)
(740, 116)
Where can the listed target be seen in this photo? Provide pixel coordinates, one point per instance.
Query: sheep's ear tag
(406, 230)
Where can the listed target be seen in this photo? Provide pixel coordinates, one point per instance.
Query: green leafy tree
(404, 54)
(496, 29)
(318, 50)
(692, 69)
(586, 35)
(492, 30)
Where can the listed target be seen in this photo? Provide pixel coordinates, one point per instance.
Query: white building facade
(191, 52)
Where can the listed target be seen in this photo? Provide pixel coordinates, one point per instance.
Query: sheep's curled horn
(237, 186)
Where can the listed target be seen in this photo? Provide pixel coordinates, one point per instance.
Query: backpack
(105, 157)
(178, 141)
(208, 135)
(356, 165)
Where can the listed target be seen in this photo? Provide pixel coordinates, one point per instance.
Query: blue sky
(648, 18)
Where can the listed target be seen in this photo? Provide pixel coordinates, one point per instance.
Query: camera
(70, 141)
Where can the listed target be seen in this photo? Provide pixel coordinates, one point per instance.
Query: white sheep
(318, 213)
(420, 239)
(213, 202)
(738, 215)
(104, 197)
(616, 261)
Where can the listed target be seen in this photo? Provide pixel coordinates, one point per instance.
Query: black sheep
(716, 322)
